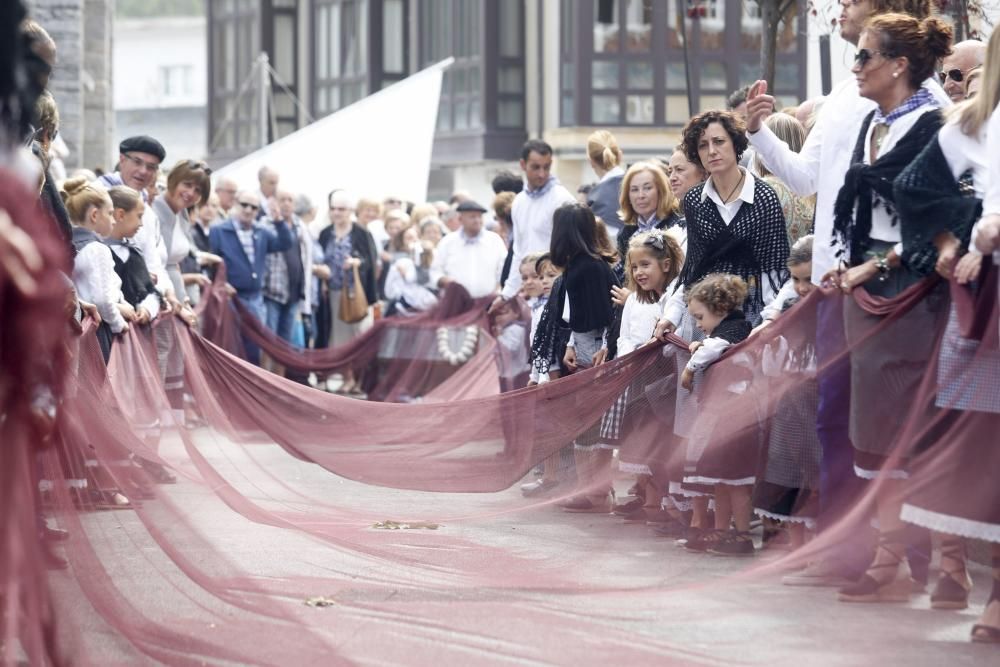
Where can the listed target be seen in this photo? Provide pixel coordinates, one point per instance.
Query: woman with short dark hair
(735, 225)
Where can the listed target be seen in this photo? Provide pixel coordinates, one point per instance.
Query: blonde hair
(364, 202)
(502, 204)
(123, 197)
(669, 250)
(975, 113)
(532, 259)
(80, 196)
(420, 212)
(788, 129)
(722, 293)
(666, 202)
(603, 150)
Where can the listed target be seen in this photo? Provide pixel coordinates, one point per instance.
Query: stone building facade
(81, 82)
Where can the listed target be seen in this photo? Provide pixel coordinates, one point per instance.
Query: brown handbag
(353, 302)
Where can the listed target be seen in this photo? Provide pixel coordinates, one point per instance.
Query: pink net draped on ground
(399, 359)
(159, 583)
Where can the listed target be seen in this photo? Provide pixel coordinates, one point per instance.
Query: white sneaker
(819, 573)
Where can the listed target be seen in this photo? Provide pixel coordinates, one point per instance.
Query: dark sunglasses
(197, 164)
(954, 74)
(864, 56)
(246, 204)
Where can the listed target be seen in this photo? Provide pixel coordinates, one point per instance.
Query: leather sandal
(898, 588)
(981, 632)
(953, 586)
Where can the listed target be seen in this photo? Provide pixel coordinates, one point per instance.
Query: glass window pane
(322, 43)
(475, 114)
(568, 27)
(284, 48)
(677, 109)
(605, 109)
(510, 113)
(639, 109)
(568, 75)
(676, 75)
(444, 115)
(606, 29)
(639, 75)
(749, 71)
(604, 75)
(786, 77)
(713, 75)
(510, 27)
(334, 18)
(639, 25)
(461, 115)
(567, 109)
(709, 102)
(393, 35)
(474, 80)
(510, 80)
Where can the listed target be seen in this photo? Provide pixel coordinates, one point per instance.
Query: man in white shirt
(531, 212)
(820, 168)
(470, 256)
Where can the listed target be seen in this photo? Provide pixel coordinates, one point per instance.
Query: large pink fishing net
(405, 570)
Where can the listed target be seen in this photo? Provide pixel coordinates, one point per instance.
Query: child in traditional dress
(89, 208)
(653, 261)
(788, 492)
(730, 466)
(138, 289)
(548, 344)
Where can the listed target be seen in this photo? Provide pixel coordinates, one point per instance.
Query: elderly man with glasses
(965, 57)
(244, 244)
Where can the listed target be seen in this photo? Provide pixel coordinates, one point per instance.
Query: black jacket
(362, 247)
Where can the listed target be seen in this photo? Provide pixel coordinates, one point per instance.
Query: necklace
(725, 200)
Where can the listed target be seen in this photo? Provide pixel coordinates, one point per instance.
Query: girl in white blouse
(653, 260)
(89, 208)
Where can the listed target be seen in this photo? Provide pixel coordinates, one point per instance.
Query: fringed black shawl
(852, 212)
(930, 201)
(752, 246)
(551, 335)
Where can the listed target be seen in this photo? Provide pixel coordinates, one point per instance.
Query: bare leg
(723, 507)
(699, 512)
(988, 627)
(740, 506)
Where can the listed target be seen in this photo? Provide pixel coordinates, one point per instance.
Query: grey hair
(303, 205)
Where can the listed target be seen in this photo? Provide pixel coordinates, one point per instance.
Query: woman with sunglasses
(897, 53)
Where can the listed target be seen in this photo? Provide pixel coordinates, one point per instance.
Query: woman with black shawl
(735, 225)
(959, 499)
(896, 54)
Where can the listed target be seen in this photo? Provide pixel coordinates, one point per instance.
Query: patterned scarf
(540, 192)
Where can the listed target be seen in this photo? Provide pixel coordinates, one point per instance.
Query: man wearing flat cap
(470, 256)
(139, 161)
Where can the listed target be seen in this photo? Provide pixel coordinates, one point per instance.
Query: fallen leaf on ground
(405, 525)
(320, 601)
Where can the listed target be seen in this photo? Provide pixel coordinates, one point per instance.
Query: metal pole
(263, 71)
(682, 15)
